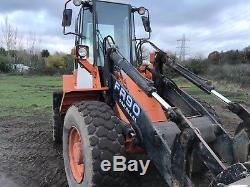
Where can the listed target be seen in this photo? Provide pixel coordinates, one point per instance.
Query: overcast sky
(208, 24)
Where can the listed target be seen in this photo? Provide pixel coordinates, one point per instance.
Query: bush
(58, 64)
(4, 66)
(55, 61)
(231, 73)
(3, 52)
(197, 66)
(69, 64)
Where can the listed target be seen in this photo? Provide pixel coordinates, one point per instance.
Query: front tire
(99, 137)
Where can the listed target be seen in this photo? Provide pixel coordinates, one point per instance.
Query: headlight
(77, 2)
(141, 10)
(82, 51)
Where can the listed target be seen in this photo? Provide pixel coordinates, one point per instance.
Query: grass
(232, 91)
(23, 95)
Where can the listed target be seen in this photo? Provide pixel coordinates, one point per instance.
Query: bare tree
(20, 44)
(21, 53)
(9, 35)
(33, 49)
(1, 42)
(23, 49)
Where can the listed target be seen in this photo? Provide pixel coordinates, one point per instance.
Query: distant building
(20, 68)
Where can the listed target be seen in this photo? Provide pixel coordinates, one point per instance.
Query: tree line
(231, 57)
(26, 50)
(230, 66)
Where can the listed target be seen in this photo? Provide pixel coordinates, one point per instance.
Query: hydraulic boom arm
(206, 86)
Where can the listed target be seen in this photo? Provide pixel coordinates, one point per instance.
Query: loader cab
(108, 19)
(99, 19)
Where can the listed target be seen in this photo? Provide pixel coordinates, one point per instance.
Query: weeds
(239, 74)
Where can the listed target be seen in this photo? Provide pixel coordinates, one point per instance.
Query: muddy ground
(29, 158)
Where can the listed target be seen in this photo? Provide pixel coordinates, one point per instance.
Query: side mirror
(146, 23)
(67, 17)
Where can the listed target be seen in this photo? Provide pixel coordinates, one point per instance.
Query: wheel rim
(76, 155)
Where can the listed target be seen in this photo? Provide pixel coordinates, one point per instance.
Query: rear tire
(58, 120)
(57, 126)
(101, 139)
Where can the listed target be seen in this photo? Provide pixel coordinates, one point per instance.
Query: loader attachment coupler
(171, 163)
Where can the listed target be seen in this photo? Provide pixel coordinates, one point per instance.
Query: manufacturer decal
(126, 101)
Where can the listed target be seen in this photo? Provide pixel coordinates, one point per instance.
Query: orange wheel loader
(116, 112)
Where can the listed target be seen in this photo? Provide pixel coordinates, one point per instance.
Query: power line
(183, 47)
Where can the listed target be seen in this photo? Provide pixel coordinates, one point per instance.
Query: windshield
(114, 20)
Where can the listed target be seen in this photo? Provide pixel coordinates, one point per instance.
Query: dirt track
(28, 157)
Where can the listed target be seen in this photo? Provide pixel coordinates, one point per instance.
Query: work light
(82, 51)
(77, 2)
(141, 10)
